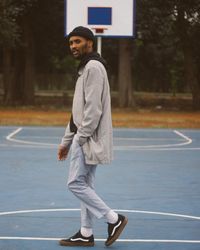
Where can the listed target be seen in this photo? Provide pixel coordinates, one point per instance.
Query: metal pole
(99, 44)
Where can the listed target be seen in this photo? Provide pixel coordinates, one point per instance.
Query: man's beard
(82, 53)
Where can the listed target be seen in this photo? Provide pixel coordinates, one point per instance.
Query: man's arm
(66, 141)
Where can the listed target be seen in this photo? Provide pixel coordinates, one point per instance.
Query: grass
(142, 118)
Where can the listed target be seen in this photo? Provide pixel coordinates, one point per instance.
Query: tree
(9, 30)
(174, 26)
(125, 74)
(187, 23)
(165, 57)
(38, 41)
(8, 39)
(18, 54)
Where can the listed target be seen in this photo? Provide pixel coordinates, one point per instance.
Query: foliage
(10, 10)
(159, 50)
(168, 33)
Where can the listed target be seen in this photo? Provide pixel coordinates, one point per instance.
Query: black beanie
(83, 32)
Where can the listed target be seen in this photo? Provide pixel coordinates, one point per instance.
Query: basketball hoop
(99, 31)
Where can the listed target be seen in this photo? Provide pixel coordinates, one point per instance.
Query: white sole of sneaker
(75, 244)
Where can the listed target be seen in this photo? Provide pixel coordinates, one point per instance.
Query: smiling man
(89, 135)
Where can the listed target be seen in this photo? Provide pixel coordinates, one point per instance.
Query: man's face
(80, 46)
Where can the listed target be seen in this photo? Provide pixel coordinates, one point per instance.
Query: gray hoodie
(91, 111)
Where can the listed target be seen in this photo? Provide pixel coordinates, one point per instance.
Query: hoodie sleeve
(67, 138)
(93, 88)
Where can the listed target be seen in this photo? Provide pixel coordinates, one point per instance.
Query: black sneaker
(78, 240)
(114, 230)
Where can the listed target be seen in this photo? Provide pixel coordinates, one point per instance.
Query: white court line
(123, 148)
(121, 240)
(118, 210)
(186, 141)
(116, 148)
(10, 138)
(39, 137)
(146, 139)
(29, 146)
(12, 134)
(100, 240)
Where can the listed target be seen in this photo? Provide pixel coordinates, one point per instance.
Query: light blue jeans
(81, 183)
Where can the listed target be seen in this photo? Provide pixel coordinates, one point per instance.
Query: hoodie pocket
(94, 151)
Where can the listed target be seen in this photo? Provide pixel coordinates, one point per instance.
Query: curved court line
(159, 213)
(12, 134)
(119, 240)
(29, 146)
(122, 148)
(118, 210)
(10, 138)
(145, 139)
(116, 148)
(187, 141)
(166, 147)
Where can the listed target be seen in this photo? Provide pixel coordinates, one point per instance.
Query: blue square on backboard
(99, 15)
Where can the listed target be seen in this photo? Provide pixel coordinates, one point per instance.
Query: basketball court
(154, 180)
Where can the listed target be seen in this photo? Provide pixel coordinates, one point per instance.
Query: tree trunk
(28, 90)
(13, 76)
(124, 75)
(19, 77)
(192, 78)
(18, 81)
(7, 76)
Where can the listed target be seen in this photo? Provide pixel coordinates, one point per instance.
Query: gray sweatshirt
(91, 111)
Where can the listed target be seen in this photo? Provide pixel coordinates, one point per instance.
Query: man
(89, 134)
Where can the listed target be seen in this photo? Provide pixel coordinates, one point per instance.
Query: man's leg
(87, 174)
(87, 217)
(79, 173)
(92, 204)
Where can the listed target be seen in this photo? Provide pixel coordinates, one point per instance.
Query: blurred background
(159, 69)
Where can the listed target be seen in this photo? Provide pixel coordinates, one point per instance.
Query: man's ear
(90, 44)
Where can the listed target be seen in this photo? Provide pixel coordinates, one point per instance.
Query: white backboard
(104, 17)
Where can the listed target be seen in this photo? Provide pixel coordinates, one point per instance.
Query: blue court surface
(154, 180)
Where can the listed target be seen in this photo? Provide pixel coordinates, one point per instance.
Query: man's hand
(62, 152)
